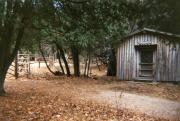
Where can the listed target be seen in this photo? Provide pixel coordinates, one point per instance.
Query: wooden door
(146, 63)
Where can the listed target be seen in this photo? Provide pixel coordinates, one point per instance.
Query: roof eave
(152, 31)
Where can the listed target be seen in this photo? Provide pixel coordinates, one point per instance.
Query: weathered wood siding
(167, 57)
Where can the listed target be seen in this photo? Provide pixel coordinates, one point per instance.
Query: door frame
(138, 49)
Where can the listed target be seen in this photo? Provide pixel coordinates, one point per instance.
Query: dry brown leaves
(42, 100)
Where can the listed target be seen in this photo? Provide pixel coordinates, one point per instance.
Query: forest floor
(48, 98)
(162, 90)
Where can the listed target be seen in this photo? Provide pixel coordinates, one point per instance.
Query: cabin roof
(147, 30)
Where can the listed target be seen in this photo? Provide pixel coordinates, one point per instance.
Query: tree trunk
(41, 51)
(111, 71)
(8, 54)
(75, 57)
(64, 59)
(89, 63)
(2, 79)
(85, 68)
(98, 64)
(59, 59)
(16, 68)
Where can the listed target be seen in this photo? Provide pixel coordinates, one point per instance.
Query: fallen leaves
(51, 101)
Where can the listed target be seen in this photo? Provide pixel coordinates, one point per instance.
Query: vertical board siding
(122, 61)
(119, 62)
(163, 60)
(176, 58)
(166, 57)
(126, 61)
(134, 58)
(173, 62)
(159, 71)
(121, 68)
(167, 61)
(178, 65)
(127, 64)
(131, 62)
(170, 63)
(117, 55)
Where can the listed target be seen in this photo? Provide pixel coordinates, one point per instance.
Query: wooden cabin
(149, 55)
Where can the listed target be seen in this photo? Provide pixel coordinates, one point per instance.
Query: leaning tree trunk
(85, 67)
(59, 59)
(41, 51)
(89, 64)
(111, 70)
(2, 80)
(7, 53)
(5, 62)
(98, 64)
(75, 57)
(64, 59)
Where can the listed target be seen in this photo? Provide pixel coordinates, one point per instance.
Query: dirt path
(54, 92)
(152, 106)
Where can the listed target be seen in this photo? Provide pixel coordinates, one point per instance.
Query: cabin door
(146, 63)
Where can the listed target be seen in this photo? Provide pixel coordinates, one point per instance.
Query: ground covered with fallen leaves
(59, 99)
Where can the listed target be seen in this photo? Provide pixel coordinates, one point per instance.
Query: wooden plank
(136, 73)
(122, 51)
(174, 62)
(156, 58)
(178, 72)
(123, 61)
(129, 61)
(124, 56)
(134, 59)
(167, 58)
(170, 56)
(127, 64)
(131, 58)
(117, 63)
(138, 39)
(160, 59)
(163, 60)
(154, 65)
(169, 62)
(120, 62)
